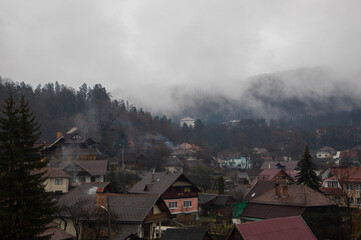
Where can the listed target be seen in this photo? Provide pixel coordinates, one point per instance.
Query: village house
(238, 163)
(173, 165)
(56, 180)
(275, 175)
(287, 228)
(85, 171)
(344, 184)
(320, 212)
(188, 121)
(216, 205)
(73, 145)
(122, 215)
(178, 192)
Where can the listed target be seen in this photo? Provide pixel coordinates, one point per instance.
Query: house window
(332, 184)
(173, 204)
(350, 200)
(187, 204)
(358, 187)
(81, 179)
(92, 179)
(358, 201)
(187, 189)
(58, 181)
(349, 186)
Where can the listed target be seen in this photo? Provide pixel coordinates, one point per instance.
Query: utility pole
(123, 168)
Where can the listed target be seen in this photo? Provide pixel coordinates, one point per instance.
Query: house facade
(188, 121)
(178, 192)
(57, 180)
(95, 206)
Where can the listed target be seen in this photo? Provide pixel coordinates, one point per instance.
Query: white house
(190, 122)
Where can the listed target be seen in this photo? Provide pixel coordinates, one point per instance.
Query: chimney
(277, 190)
(153, 175)
(58, 134)
(101, 197)
(284, 191)
(269, 166)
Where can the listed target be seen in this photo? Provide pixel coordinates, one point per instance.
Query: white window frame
(358, 187)
(187, 203)
(58, 181)
(349, 186)
(358, 201)
(173, 205)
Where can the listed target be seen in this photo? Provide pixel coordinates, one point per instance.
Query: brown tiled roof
(266, 211)
(298, 195)
(53, 173)
(93, 167)
(162, 181)
(293, 228)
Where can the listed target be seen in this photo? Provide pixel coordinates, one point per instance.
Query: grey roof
(258, 189)
(173, 161)
(125, 230)
(93, 167)
(221, 200)
(85, 192)
(131, 207)
(205, 197)
(184, 234)
(162, 181)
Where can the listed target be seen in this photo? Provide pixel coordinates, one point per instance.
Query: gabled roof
(93, 167)
(130, 208)
(292, 228)
(298, 195)
(217, 199)
(56, 232)
(85, 192)
(258, 189)
(187, 119)
(269, 174)
(162, 181)
(133, 207)
(347, 174)
(173, 161)
(52, 173)
(185, 234)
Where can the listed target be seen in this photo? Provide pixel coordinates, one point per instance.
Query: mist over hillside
(299, 92)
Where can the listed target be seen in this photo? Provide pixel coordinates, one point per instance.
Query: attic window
(76, 136)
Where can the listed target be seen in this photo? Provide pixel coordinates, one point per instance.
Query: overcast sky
(139, 50)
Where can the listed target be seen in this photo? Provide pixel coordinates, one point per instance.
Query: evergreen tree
(307, 175)
(25, 207)
(220, 185)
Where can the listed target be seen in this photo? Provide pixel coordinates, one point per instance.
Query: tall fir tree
(307, 171)
(25, 207)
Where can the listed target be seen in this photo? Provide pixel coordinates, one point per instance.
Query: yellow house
(57, 180)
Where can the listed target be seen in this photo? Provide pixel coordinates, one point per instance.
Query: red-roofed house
(288, 228)
(344, 185)
(274, 175)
